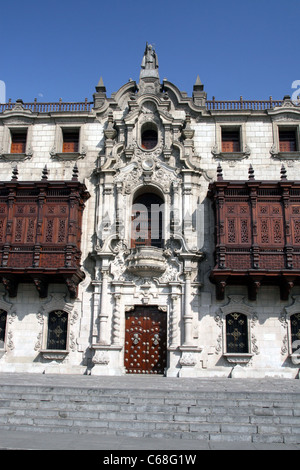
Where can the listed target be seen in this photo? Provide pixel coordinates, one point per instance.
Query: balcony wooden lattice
(257, 234)
(40, 233)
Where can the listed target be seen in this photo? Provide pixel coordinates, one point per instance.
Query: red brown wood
(230, 141)
(287, 141)
(257, 234)
(145, 341)
(18, 143)
(40, 233)
(70, 142)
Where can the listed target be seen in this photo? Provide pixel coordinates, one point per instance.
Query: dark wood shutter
(70, 141)
(230, 140)
(18, 142)
(287, 140)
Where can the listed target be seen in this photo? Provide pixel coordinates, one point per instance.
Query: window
(70, 140)
(3, 316)
(295, 330)
(18, 141)
(230, 140)
(57, 330)
(149, 139)
(236, 333)
(287, 140)
(147, 221)
(149, 136)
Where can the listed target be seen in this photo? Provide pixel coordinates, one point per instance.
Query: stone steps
(267, 417)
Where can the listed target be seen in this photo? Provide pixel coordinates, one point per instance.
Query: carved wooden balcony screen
(40, 233)
(257, 234)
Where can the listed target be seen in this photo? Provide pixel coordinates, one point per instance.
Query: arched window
(57, 330)
(149, 137)
(3, 316)
(295, 330)
(236, 333)
(147, 221)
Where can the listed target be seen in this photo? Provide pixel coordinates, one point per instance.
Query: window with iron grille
(3, 316)
(57, 330)
(295, 330)
(236, 333)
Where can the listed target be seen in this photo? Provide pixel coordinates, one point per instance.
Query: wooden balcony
(40, 234)
(257, 234)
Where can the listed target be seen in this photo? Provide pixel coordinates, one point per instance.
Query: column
(174, 321)
(119, 212)
(116, 316)
(104, 336)
(188, 316)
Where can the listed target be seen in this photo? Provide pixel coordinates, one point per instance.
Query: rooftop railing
(241, 104)
(60, 106)
(86, 106)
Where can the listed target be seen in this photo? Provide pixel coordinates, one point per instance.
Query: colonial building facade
(150, 233)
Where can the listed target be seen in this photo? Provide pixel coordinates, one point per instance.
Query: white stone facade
(172, 277)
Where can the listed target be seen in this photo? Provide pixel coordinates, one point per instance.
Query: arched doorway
(145, 341)
(147, 221)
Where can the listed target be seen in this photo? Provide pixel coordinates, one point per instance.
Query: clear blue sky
(60, 48)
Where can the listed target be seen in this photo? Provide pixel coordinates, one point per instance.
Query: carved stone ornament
(146, 169)
(188, 359)
(238, 358)
(11, 316)
(145, 262)
(101, 358)
(53, 355)
(284, 319)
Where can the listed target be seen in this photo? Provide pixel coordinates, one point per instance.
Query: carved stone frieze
(147, 169)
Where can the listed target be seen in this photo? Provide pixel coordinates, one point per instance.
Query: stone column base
(189, 361)
(106, 360)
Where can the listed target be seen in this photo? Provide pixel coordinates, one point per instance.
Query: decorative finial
(100, 88)
(110, 132)
(75, 173)
(45, 173)
(251, 173)
(198, 84)
(219, 173)
(283, 173)
(15, 174)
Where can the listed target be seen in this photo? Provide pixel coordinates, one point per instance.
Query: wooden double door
(145, 341)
